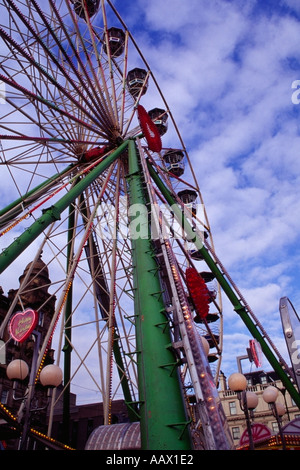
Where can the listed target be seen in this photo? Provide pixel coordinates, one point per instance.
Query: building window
(236, 434)
(41, 318)
(90, 426)
(232, 408)
(4, 396)
(275, 427)
(74, 437)
(2, 352)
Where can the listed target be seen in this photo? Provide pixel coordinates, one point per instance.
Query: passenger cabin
(174, 162)
(116, 41)
(207, 276)
(160, 119)
(188, 197)
(213, 339)
(197, 255)
(209, 279)
(91, 6)
(136, 82)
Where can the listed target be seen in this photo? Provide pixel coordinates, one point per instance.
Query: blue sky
(226, 69)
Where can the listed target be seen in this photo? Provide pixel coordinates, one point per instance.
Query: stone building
(34, 295)
(84, 418)
(257, 381)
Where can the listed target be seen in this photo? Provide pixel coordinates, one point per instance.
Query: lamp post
(22, 325)
(18, 370)
(283, 391)
(270, 395)
(237, 382)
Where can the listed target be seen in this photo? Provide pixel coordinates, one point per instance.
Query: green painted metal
(30, 194)
(53, 213)
(238, 307)
(162, 411)
(67, 348)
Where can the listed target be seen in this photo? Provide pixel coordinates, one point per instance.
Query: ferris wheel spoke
(14, 46)
(31, 119)
(111, 75)
(102, 89)
(102, 104)
(89, 99)
(18, 206)
(107, 296)
(40, 99)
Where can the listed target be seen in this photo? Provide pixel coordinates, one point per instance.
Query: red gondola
(93, 154)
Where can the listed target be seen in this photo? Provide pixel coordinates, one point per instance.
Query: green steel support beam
(162, 412)
(238, 307)
(53, 213)
(30, 193)
(67, 349)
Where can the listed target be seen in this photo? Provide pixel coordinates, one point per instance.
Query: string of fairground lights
(13, 418)
(113, 309)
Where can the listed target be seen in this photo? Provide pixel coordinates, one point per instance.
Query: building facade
(257, 382)
(35, 296)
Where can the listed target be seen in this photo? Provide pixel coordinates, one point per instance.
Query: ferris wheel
(102, 205)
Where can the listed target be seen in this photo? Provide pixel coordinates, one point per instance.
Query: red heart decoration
(22, 324)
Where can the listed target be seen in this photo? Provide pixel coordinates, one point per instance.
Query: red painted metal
(256, 352)
(149, 129)
(260, 432)
(94, 153)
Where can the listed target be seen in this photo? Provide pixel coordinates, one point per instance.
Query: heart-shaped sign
(22, 324)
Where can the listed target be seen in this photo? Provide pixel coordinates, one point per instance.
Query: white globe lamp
(17, 370)
(270, 394)
(237, 382)
(252, 400)
(205, 345)
(51, 376)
